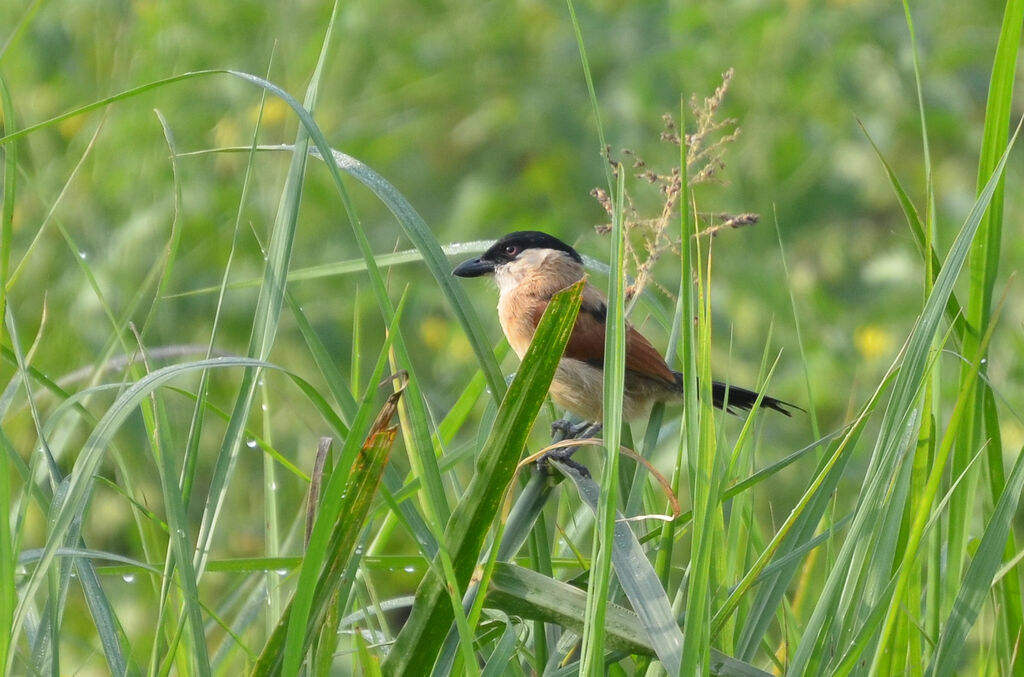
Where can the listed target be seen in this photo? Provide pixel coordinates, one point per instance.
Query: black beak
(473, 268)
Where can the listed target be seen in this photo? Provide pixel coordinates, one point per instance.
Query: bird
(529, 268)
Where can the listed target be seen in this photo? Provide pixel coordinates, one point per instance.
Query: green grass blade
(8, 563)
(336, 268)
(180, 550)
(772, 589)
(324, 364)
(422, 237)
(287, 647)
(81, 478)
(605, 528)
(112, 640)
(192, 445)
(635, 574)
(518, 591)
(346, 503)
(797, 529)
(702, 462)
(265, 323)
(984, 259)
(270, 300)
(519, 526)
(984, 268)
(420, 639)
(521, 592)
(112, 636)
(897, 415)
(918, 526)
(10, 184)
(8, 599)
(504, 651)
(415, 419)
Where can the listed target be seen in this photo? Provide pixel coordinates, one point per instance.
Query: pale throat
(538, 273)
(525, 286)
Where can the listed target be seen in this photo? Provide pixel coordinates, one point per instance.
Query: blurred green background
(478, 113)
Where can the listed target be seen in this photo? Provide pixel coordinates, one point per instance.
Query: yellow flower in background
(434, 332)
(70, 126)
(226, 133)
(872, 341)
(437, 335)
(275, 111)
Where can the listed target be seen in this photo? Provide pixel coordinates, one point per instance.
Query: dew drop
(252, 444)
(82, 255)
(128, 578)
(410, 569)
(281, 572)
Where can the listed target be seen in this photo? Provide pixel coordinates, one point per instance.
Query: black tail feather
(743, 399)
(734, 399)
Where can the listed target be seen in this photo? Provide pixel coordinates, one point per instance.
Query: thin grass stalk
(668, 531)
(983, 266)
(592, 652)
(997, 125)
(825, 470)
(10, 184)
(8, 551)
(696, 635)
(79, 482)
(413, 415)
(265, 323)
(286, 648)
(909, 645)
(272, 529)
(913, 367)
(180, 541)
(921, 514)
(154, 415)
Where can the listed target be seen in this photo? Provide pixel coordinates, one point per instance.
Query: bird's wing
(644, 358)
(586, 343)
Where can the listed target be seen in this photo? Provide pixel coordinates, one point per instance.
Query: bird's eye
(511, 249)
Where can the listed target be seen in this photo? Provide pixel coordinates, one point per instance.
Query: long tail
(743, 399)
(734, 399)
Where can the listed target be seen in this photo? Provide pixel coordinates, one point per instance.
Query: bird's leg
(562, 425)
(574, 431)
(590, 430)
(564, 429)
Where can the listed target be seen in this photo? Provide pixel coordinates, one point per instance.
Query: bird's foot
(574, 431)
(568, 431)
(562, 455)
